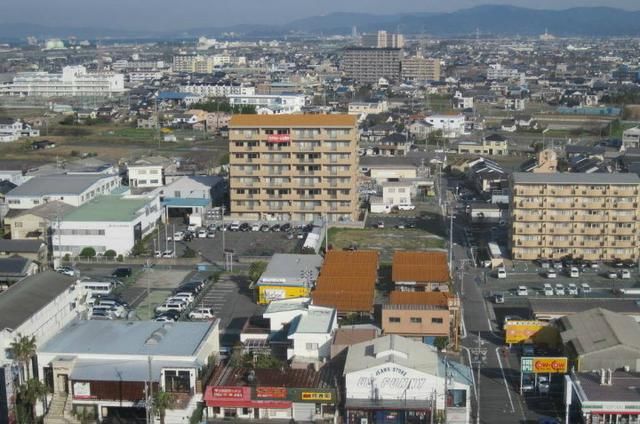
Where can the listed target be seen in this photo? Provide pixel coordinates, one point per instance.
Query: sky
(170, 15)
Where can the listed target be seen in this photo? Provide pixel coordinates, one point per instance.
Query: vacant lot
(385, 240)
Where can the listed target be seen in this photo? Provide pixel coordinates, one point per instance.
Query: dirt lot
(385, 240)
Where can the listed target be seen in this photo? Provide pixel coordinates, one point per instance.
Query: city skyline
(123, 15)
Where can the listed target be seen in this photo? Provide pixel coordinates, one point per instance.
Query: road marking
(504, 378)
(464, 327)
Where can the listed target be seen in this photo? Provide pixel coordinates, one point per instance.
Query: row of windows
(416, 320)
(71, 232)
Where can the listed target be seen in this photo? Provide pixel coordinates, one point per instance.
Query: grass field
(145, 310)
(385, 240)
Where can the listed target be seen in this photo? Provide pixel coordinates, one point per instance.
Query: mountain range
(488, 19)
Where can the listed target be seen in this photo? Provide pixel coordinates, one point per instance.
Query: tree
(30, 392)
(88, 252)
(435, 138)
(161, 402)
(138, 248)
(110, 254)
(23, 348)
(256, 269)
(224, 159)
(441, 342)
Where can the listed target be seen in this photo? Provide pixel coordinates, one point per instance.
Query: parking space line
(504, 378)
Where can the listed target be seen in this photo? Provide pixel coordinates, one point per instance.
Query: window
(416, 320)
(437, 320)
(177, 381)
(312, 346)
(17, 224)
(394, 319)
(246, 411)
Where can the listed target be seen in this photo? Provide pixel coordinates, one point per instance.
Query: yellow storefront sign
(545, 365)
(267, 294)
(316, 396)
(522, 331)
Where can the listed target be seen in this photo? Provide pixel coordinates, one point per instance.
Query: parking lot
(243, 243)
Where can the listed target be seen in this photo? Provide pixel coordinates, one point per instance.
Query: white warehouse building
(271, 103)
(107, 223)
(73, 81)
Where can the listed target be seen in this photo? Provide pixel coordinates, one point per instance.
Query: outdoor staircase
(178, 416)
(60, 411)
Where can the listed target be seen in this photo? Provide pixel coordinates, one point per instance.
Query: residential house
(414, 271)
(451, 126)
(394, 194)
(34, 250)
(494, 144)
(310, 334)
(395, 144)
(37, 222)
(14, 269)
(631, 138)
(150, 171)
(346, 336)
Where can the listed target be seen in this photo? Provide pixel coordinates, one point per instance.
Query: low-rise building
(344, 337)
(271, 103)
(35, 223)
(99, 366)
(13, 129)
(34, 250)
(347, 281)
(38, 306)
(451, 126)
(423, 316)
(631, 138)
(394, 194)
(494, 144)
(310, 335)
(74, 190)
(303, 395)
(420, 271)
(150, 171)
(107, 223)
(288, 276)
(601, 339)
(366, 108)
(398, 378)
(14, 269)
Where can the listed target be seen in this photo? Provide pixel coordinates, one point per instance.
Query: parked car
(256, 227)
(211, 234)
(574, 272)
(244, 227)
(122, 272)
(202, 233)
(498, 298)
(235, 226)
(174, 315)
(559, 290)
(275, 228)
(625, 274)
(528, 383)
(547, 290)
(407, 207)
(502, 273)
(380, 225)
(612, 275)
(66, 270)
(177, 236)
(551, 273)
(265, 228)
(572, 289)
(167, 253)
(165, 318)
(171, 307)
(201, 313)
(522, 291)
(585, 288)
(543, 384)
(285, 227)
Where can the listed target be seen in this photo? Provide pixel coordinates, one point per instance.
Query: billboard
(522, 331)
(271, 393)
(279, 138)
(544, 365)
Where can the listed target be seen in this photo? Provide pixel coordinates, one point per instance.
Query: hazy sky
(179, 14)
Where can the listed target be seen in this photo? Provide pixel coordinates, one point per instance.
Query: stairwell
(60, 411)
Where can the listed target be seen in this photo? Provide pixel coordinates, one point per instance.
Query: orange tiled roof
(347, 281)
(420, 298)
(315, 120)
(420, 267)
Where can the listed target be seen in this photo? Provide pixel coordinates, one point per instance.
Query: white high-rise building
(72, 82)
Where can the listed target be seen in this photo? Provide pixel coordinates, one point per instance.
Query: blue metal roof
(180, 202)
(173, 95)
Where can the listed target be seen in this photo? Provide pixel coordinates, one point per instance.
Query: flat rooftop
(55, 185)
(625, 387)
(575, 178)
(338, 120)
(108, 209)
(291, 269)
(573, 306)
(139, 338)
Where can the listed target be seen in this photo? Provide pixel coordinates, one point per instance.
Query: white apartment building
(311, 334)
(365, 108)
(106, 223)
(631, 138)
(267, 104)
(74, 190)
(498, 72)
(148, 172)
(218, 90)
(73, 81)
(394, 193)
(451, 125)
(138, 77)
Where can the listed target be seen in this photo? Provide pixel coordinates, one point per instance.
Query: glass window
(394, 319)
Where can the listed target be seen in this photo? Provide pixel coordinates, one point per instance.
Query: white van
(235, 226)
(502, 273)
(574, 272)
(548, 290)
(97, 288)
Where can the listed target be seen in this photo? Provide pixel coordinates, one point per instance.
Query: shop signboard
(271, 393)
(522, 331)
(279, 138)
(544, 365)
(312, 395)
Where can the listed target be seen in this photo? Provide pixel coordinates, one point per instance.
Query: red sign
(271, 393)
(279, 138)
(226, 393)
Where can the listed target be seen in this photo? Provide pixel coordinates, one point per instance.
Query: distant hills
(488, 19)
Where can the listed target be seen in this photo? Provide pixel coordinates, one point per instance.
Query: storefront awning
(409, 404)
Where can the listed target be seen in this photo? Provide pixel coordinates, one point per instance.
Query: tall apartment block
(383, 39)
(588, 216)
(293, 167)
(421, 69)
(368, 65)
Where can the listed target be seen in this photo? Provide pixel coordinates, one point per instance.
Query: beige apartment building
(589, 216)
(293, 167)
(421, 68)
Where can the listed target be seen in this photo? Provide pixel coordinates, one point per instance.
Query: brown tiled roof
(428, 267)
(420, 298)
(347, 281)
(268, 377)
(349, 336)
(315, 120)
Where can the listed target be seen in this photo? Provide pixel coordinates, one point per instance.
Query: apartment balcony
(529, 217)
(526, 191)
(559, 230)
(524, 230)
(307, 172)
(622, 218)
(625, 192)
(592, 192)
(531, 205)
(559, 191)
(592, 205)
(584, 217)
(528, 243)
(590, 231)
(560, 205)
(624, 205)
(622, 231)
(244, 196)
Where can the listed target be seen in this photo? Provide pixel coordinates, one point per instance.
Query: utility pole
(479, 356)
(150, 399)
(174, 240)
(451, 213)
